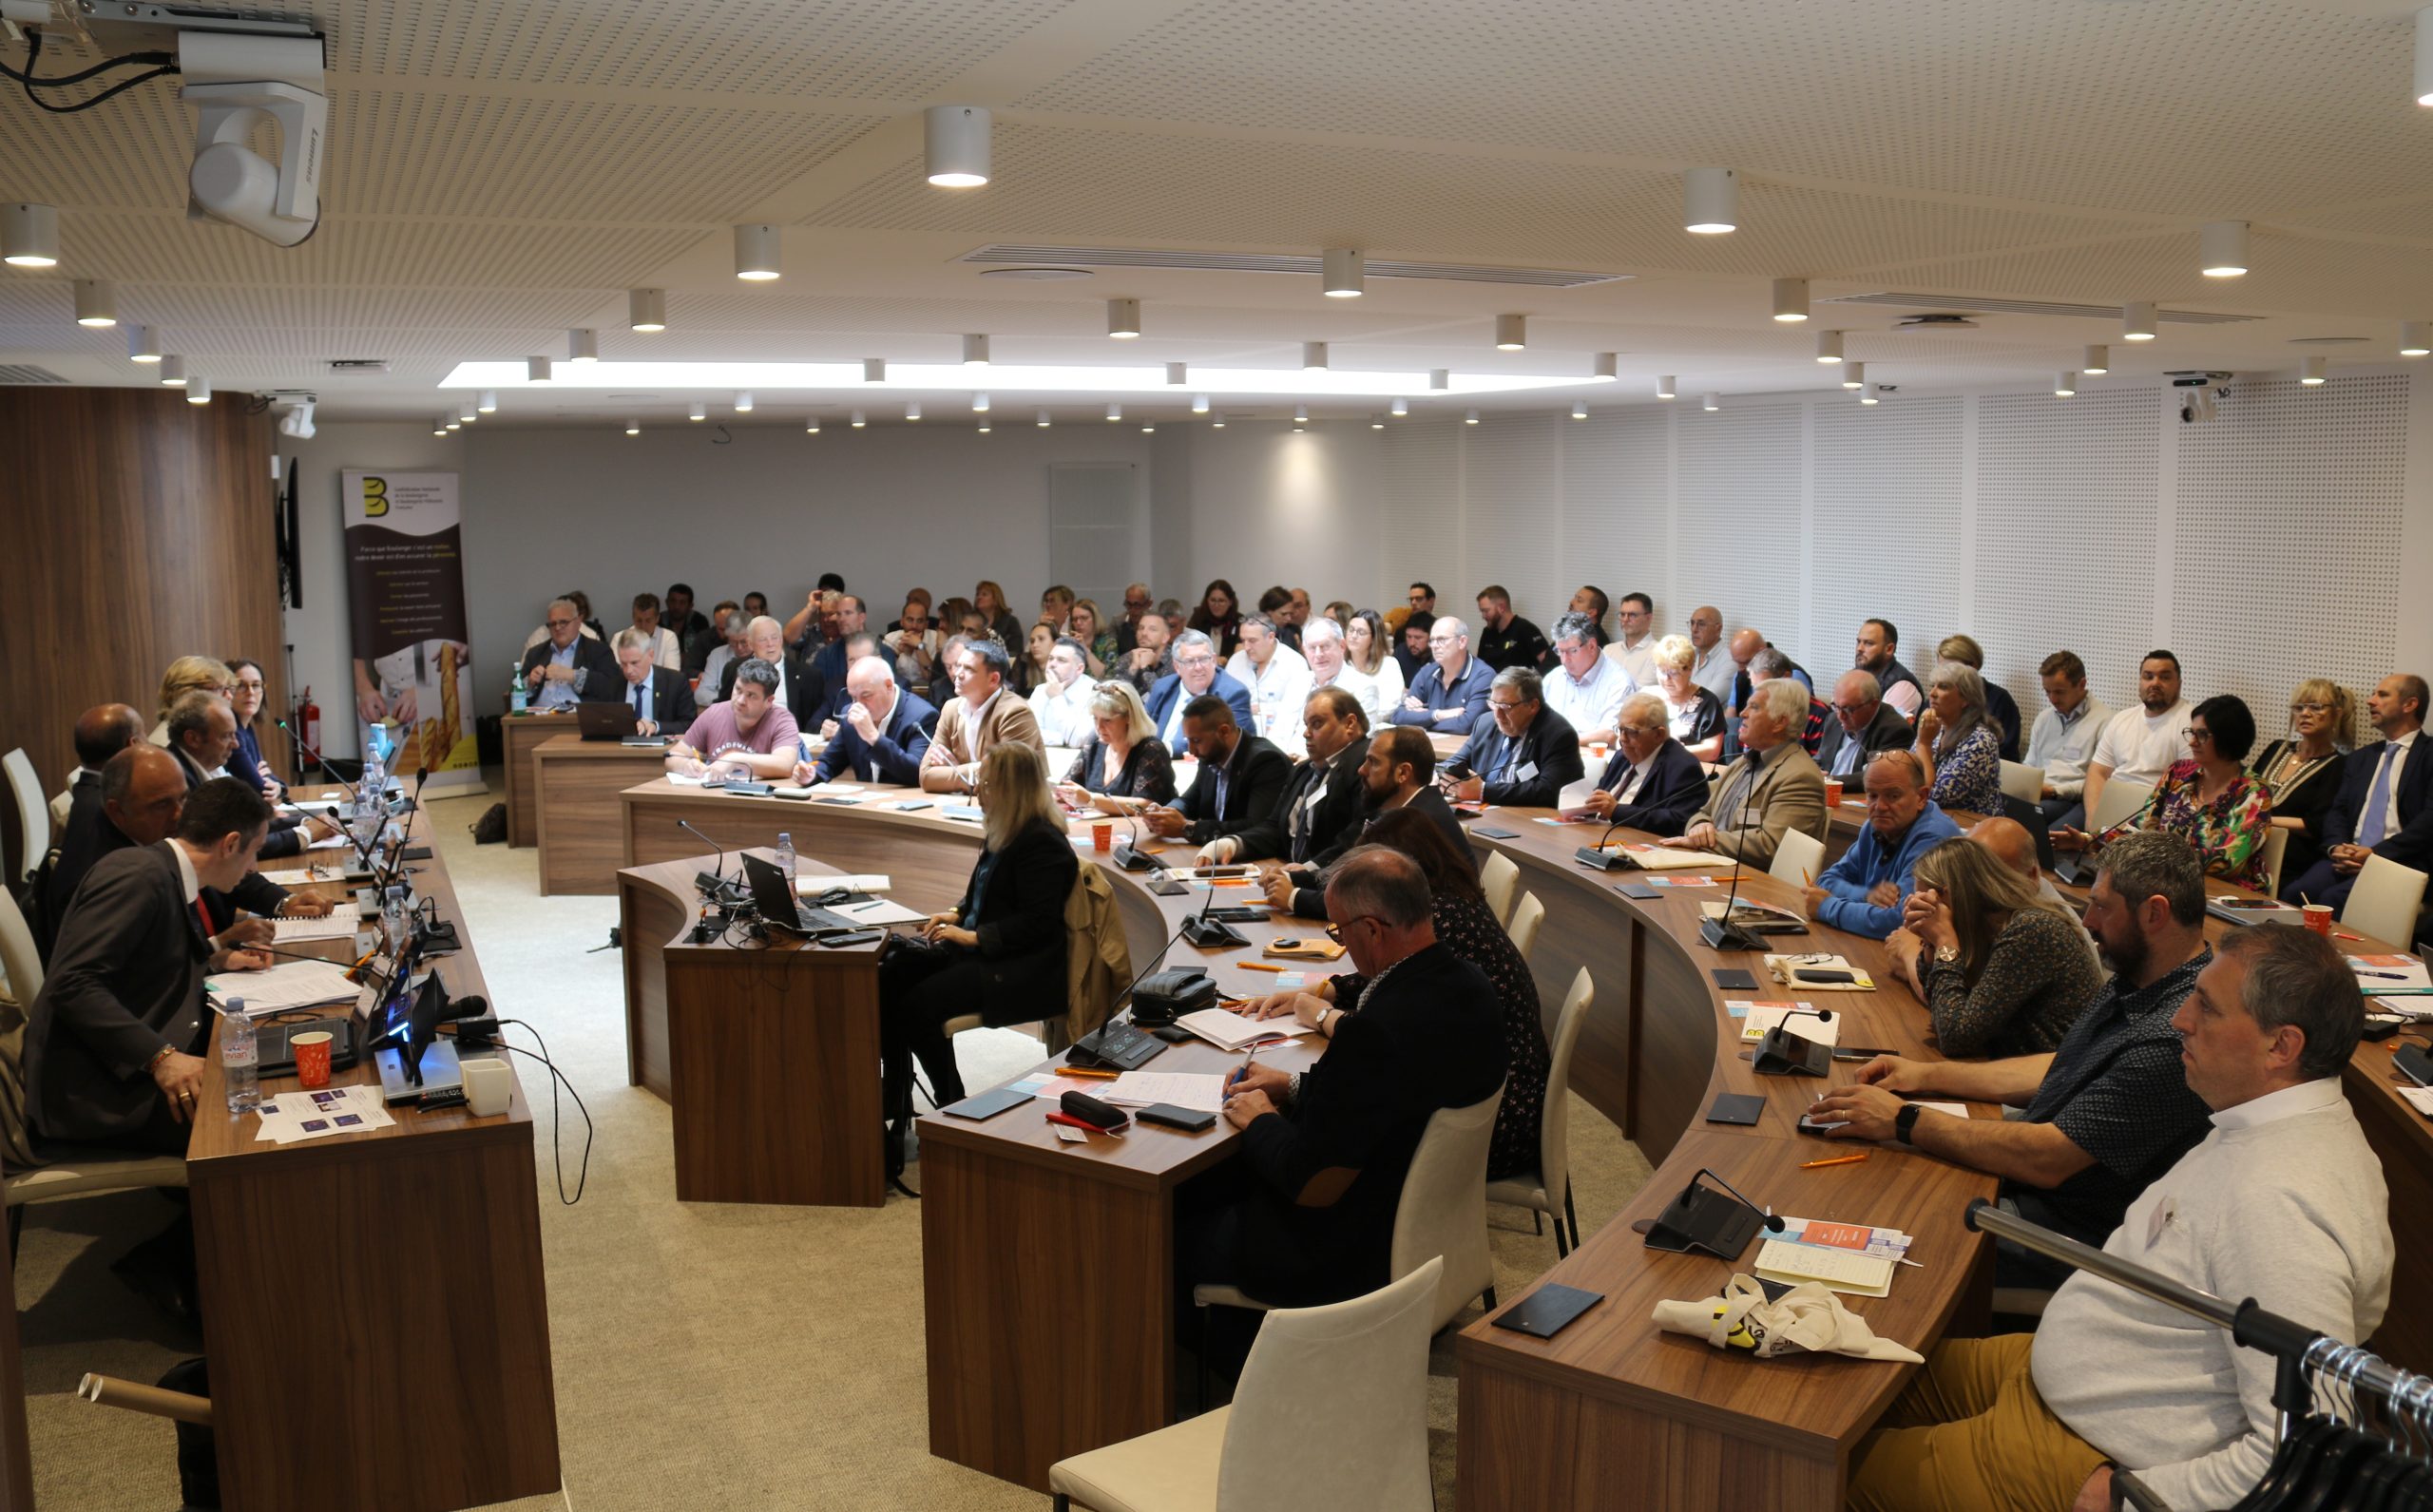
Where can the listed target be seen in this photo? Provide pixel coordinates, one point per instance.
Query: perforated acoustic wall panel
(1886, 490)
(1423, 513)
(1738, 521)
(1616, 511)
(1509, 470)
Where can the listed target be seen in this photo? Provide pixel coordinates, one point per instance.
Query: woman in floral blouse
(2211, 801)
(1959, 743)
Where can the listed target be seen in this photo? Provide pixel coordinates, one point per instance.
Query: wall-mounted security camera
(237, 82)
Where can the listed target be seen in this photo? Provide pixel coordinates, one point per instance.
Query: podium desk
(520, 734)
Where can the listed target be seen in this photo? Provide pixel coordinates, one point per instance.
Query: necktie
(204, 916)
(2378, 799)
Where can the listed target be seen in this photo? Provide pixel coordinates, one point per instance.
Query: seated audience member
(1240, 778)
(1322, 648)
(246, 764)
(1694, 714)
(1139, 605)
(2009, 843)
(1087, 625)
(751, 735)
(2143, 743)
(1772, 789)
(755, 604)
(710, 637)
(852, 619)
(1319, 814)
(831, 706)
(910, 647)
(2385, 802)
(2002, 972)
(1589, 603)
(1422, 598)
(735, 643)
(1652, 783)
(114, 1041)
(1633, 644)
(1506, 640)
(1061, 702)
(1196, 676)
(999, 952)
(2209, 800)
(810, 628)
(1879, 656)
(1466, 926)
(2000, 706)
(582, 621)
(1031, 669)
(1959, 744)
(1177, 620)
(656, 694)
(591, 626)
(2283, 1201)
(2303, 772)
(101, 732)
(1767, 666)
(1056, 606)
(678, 614)
(1864, 725)
(983, 713)
(1523, 755)
(1448, 695)
(1277, 604)
(1397, 773)
(1219, 616)
(1324, 1152)
(189, 675)
(2062, 739)
(1339, 610)
(1150, 658)
(1123, 765)
(665, 649)
(1411, 645)
(1747, 644)
(1710, 665)
(202, 736)
(996, 616)
(1865, 891)
(1368, 649)
(800, 692)
(1583, 687)
(1277, 678)
(569, 668)
(882, 735)
(2107, 1111)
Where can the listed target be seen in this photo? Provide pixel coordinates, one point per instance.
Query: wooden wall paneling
(16, 1468)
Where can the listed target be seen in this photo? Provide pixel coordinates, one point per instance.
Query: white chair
(1499, 879)
(2120, 800)
(1548, 1190)
(1527, 918)
(2024, 783)
(2276, 846)
(2384, 903)
(1798, 860)
(1333, 1413)
(33, 810)
(18, 957)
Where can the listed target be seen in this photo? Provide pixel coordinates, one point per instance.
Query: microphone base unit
(1210, 935)
(1132, 860)
(1783, 1053)
(1704, 1219)
(1721, 936)
(1596, 860)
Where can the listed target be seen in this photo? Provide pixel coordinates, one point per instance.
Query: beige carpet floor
(707, 1355)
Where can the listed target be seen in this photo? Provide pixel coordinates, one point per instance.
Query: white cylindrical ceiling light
(197, 389)
(1511, 332)
(1399, 408)
(647, 310)
(1666, 387)
(1580, 408)
(536, 370)
(1215, 419)
(488, 403)
(1440, 378)
(2415, 338)
(1609, 366)
(1790, 299)
(975, 351)
(2222, 245)
(2424, 56)
(439, 424)
(2096, 360)
(1313, 357)
(143, 344)
(1042, 421)
(1115, 412)
(453, 423)
(173, 371)
(1829, 346)
(743, 402)
(756, 253)
(979, 404)
(582, 346)
(698, 412)
(1867, 396)
(96, 302)
(2311, 371)
(1713, 403)
(984, 427)
(1853, 374)
(2137, 320)
(1149, 427)
(1199, 404)
(873, 369)
(860, 420)
(1300, 415)
(464, 411)
(1376, 422)
(912, 409)
(2064, 385)
(1710, 200)
(633, 428)
(1470, 417)
(30, 235)
(811, 427)
(1345, 273)
(956, 151)
(1123, 319)
(1178, 373)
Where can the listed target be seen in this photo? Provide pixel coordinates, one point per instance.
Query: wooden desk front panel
(575, 783)
(519, 738)
(654, 907)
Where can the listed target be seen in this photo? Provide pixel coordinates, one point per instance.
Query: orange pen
(1839, 1160)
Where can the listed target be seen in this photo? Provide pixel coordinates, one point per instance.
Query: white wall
(1264, 506)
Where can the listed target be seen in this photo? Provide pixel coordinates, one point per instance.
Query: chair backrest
(2120, 800)
(2023, 782)
(1499, 879)
(18, 956)
(1443, 1211)
(1797, 859)
(33, 810)
(1527, 917)
(2383, 902)
(2276, 846)
(1554, 1122)
(1331, 1408)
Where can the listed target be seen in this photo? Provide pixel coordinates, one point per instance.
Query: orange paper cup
(1102, 837)
(311, 1059)
(1832, 792)
(2318, 917)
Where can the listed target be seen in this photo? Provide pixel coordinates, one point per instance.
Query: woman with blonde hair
(2002, 970)
(1691, 712)
(1087, 625)
(2303, 771)
(188, 675)
(1124, 764)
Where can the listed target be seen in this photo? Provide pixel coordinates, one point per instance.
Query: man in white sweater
(2283, 1202)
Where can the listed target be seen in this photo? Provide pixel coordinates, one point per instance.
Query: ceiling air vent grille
(358, 367)
(1002, 254)
(22, 373)
(2075, 312)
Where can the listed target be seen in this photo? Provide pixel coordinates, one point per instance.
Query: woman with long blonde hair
(187, 675)
(2002, 969)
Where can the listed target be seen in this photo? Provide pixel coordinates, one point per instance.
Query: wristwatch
(1905, 1122)
(1947, 955)
(1324, 1014)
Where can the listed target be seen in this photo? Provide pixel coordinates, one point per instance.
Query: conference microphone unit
(1597, 858)
(2080, 863)
(318, 759)
(714, 883)
(1720, 933)
(1213, 934)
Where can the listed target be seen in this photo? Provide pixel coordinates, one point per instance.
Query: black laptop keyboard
(275, 1058)
(820, 921)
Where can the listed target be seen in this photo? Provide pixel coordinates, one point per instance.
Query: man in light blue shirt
(2062, 739)
(1862, 893)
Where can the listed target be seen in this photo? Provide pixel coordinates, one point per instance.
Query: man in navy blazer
(882, 735)
(659, 697)
(2383, 808)
(1195, 673)
(1652, 783)
(1525, 755)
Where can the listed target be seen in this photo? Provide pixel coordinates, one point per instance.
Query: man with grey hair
(1196, 675)
(1277, 678)
(660, 699)
(569, 667)
(1446, 696)
(1771, 664)
(1862, 725)
(1322, 648)
(801, 690)
(734, 629)
(749, 735)
(1771, 791)
(882, 734)
(2283, 1201)
(1523, 757)
(1652, 783)
(1583, 685)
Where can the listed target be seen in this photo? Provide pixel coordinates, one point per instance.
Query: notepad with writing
(1228, 1030)
(1852, 1271)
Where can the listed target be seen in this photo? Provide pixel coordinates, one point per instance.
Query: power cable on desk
(582, 1175)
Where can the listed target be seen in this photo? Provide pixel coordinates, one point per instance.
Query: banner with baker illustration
(406, 602)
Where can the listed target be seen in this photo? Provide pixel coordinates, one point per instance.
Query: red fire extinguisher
(308, 723)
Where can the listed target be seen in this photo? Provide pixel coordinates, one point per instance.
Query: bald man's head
(104, 729)
(2011, 844)
(142, 790)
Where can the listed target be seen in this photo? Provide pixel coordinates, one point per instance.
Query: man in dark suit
(569, 667)
(115, 1040)
(660, 697)
(202, 736)
(1652, 783)
(1196, 676)
(882, 735)
(1318, 815)
(1862, 724)
(1325, 1152)
(1240, 778)
(800, 692)
(1398, 772)
(2385, 803)
(1524, 757)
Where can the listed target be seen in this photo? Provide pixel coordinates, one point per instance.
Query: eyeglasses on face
(1334, 931)
(2310, 708)
(2194, 733)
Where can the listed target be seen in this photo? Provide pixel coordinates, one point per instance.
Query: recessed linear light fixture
(2415, 338)
(582, 346)
(143, 344)
(757, 254)
(2222, 247)
(975, 351)
(955, 150)
(2095, 361)
(1829, 346)
(2137, 320)
(1345, 273)
(647, 310)
(1511, 332)
(1710, 200)
(1126, 381)
(30, 235)
(1790, 299)
(1123, 319)
(96, 302)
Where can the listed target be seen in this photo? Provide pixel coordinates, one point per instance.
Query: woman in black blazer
(2302, 773)
(1000, 952)
(1126, 759)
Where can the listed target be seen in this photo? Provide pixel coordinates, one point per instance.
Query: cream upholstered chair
(1548, 1190)
(2024, 783)
(1499, 879)
(1798, 860)
(33, 810)
(2120, 800)
(1331, 1412)
(2384, 901)
(18, 957)
(2277, 847)
(1528, 916)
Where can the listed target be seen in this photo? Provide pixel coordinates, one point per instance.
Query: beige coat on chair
(1099, 964)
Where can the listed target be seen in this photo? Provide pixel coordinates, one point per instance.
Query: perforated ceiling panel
(1510, 514)
(1617, 515)
(1421, 506)
(1739, 503)
(2291, 486)
(1887, 487)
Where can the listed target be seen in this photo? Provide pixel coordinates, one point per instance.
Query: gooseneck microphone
(318, 759)
(1721, 933)
(713, 883)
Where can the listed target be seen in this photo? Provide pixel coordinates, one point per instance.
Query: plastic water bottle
(239, 1061)
(786, 858)
(392, 915)
(518, 699)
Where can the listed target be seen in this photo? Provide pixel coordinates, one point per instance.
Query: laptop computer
(276, 1055)
(2031, 819)
(607, 721)
(779, 906)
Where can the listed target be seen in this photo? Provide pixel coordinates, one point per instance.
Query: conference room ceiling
(499, 174)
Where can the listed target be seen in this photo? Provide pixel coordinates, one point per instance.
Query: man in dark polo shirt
(2108, 1111)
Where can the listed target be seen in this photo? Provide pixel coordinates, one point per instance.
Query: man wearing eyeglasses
(1524, 757)
(570, 667)
(1862, 724)
(1450, 693)
(1196, 676)
(1137, 602)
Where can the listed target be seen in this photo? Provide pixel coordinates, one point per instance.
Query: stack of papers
(1665, 858)
(320, 1114)
(1228, 1030)
(2390, 973)
(1848, 1257)
(1784, 967)
(1203, 1092)
(289, 984)
(306, 877)
(328, 927)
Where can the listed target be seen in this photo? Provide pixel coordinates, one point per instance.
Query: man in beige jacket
(979, 716)
(1775, 787)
